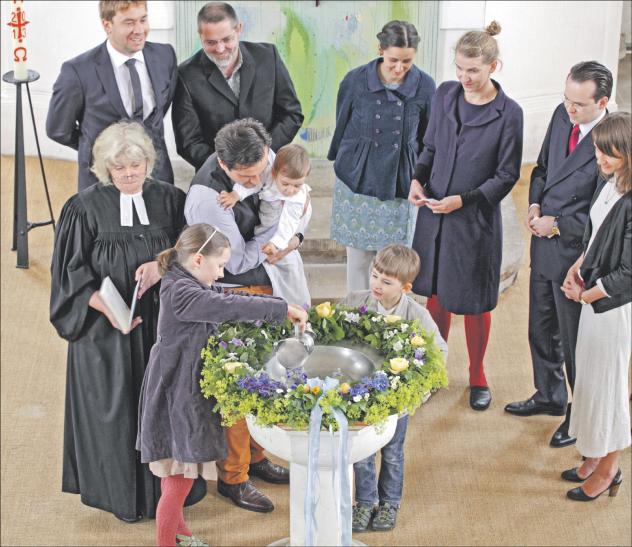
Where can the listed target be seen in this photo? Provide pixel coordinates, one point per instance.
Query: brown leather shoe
(246, 496)
(270, 472)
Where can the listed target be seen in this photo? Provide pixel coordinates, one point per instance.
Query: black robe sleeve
(72, 278)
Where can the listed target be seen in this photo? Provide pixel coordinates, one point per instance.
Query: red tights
(477, 329)
(169, 514)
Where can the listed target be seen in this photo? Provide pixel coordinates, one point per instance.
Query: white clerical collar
(585, 128)
(127, 215)
(119, 59)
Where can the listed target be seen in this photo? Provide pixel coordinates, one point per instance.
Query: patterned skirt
(364, 222)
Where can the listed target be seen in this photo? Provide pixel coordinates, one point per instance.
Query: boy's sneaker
(385, 517)
(189, 541)
(361, 517)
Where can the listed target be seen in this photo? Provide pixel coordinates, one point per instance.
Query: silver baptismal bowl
(342, 361)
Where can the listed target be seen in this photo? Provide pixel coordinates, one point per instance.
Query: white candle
(19, 51)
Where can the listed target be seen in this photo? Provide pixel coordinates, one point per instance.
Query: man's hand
(269, 249)
(534, 212)
(291, 246)
(542, 226)
(227, 200)
(416, 194)
(446, 205)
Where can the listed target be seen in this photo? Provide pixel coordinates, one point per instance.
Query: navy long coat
(462, 250)
(379, 132)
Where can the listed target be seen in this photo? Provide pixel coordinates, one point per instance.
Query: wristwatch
(555, 230)
(301, 238)
(581, 299)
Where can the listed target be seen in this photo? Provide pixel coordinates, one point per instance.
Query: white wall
(626, 21)
(539, 42)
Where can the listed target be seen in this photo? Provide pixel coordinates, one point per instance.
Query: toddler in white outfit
(284, 203)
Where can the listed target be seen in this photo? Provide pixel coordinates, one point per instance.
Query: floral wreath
(234, 375)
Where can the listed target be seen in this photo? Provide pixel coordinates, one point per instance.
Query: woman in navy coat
(470, 162)
(381, 115)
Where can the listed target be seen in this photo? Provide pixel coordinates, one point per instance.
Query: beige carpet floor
(471, 478)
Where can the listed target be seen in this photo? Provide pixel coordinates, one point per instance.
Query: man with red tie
(562, 185)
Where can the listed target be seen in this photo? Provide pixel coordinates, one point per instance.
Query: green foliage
(239, 351)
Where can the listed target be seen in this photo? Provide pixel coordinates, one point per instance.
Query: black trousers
(553, 324)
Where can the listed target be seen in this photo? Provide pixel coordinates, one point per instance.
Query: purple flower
(295, 377)
(358, 389)
(419, 353)
(236, 342)
(258, 323)
(363, 309)
(379, 382)
(261, 384)
(223, 345)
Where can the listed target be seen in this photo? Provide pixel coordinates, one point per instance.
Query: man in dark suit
(228, 80)
(125, 77)
(562, 185)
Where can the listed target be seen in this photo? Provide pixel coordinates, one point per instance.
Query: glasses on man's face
(228, 41)
(570, 104)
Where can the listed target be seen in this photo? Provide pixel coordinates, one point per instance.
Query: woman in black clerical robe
(114, 228)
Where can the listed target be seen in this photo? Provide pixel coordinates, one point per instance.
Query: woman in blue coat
(381, 115)
(470, 162)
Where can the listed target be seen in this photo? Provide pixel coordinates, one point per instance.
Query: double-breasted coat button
(377, 116)
(377, 130)
(398, 118)
(378, 101)
(375, 144)
(396, 145)
(399, 103)
(397, 131)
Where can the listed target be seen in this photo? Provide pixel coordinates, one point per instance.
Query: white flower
(352, 317)
(366, 396)
(279, 390)
(394, 382)
(398, 346)
(265, 334)
(404, 327)
(376, 318)
(357, 398)
(250, 342)
(418, 362)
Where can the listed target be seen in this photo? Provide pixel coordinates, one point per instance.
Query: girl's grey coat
(462, 250)
(174, 419)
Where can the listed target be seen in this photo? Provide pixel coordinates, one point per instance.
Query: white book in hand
(115, 304)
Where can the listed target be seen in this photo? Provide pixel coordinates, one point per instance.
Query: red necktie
(574, 139)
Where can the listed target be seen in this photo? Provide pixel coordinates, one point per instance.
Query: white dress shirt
(584, 128)
(124, 82)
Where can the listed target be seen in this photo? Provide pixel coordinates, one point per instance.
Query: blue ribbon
(340, 468)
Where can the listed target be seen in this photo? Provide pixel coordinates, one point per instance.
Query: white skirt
(288, 280)
(600, 416)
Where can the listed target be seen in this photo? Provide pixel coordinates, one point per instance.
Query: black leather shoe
(246, 496)
(270, 472)
(480, 397)
(531, 408)
(577, 494)
(572, 476)
(129, 520)
(561, 438)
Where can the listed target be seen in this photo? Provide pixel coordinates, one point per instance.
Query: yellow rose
(398, 364)
(417, 341)
(392, 319)
(232, 366)
(315, 390)
(344, 388)
(324, 310)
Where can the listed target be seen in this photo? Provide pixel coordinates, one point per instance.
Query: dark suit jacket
(204, 102)
(609, 258)
(563, 185)
(86, 100)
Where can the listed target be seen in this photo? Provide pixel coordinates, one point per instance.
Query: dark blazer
(204, 102)
(563, 185)
(379, 132)
(86, 100)
(461, 252)
(609, 257)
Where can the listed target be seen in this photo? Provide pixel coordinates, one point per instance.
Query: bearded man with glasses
(227, 80)
(562, 185)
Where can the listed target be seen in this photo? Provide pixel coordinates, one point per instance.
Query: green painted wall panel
(319, 45)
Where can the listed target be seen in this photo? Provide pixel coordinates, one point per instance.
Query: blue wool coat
(379, 132)
(174, 418)
(462, 251)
